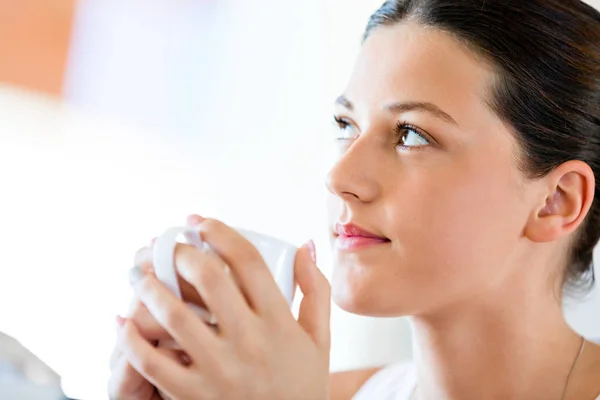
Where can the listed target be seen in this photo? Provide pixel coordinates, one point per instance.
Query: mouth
(349, 237)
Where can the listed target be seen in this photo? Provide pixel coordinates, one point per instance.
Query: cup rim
(249, 232)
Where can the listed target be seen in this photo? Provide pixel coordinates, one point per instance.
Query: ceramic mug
(278, 255)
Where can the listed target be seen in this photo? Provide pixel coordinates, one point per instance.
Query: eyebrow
(406, 107)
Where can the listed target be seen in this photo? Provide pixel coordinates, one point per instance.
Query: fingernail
(194, 220)
(136, 274)
(120, 321)
(313, 251)
(148, 269)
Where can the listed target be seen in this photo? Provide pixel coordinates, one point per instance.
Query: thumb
(315, 307)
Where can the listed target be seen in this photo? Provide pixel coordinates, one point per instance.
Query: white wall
(233, 103)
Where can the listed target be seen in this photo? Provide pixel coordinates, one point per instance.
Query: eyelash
(402, 126)
(398, 130)
(341, 122)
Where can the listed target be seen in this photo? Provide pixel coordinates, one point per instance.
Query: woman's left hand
(259, 351)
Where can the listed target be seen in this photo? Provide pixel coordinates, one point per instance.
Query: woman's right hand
(125, 382)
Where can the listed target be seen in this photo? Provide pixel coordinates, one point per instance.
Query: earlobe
(567, 201)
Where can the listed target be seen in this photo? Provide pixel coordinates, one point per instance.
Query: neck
(517, 348)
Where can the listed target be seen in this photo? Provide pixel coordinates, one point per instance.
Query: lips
(353, 237)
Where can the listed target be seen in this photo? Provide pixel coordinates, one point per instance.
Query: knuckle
(175, 318)
(249, 255)
(206, 275)
(252, 256)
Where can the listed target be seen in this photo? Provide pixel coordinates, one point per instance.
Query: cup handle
(163, 255)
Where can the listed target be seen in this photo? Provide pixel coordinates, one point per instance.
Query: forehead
(410, 62)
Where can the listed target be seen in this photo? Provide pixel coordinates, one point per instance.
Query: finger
(247, 265)
(188, 330)
(157, 367)
(175, 354)
(206, 271)
(143, 259)
(125, 382)
(315, 308)
(148, 326)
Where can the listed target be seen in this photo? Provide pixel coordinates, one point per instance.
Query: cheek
(457, 220)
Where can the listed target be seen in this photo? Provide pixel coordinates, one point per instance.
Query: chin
(354, 304)
(362, 293)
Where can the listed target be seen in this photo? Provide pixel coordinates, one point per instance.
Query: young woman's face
(426, 164)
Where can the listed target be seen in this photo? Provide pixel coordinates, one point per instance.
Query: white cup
(278, 255)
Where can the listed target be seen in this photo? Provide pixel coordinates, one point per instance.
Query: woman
(463, 196)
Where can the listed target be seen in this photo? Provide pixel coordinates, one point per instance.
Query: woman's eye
(409, 136)
(345, 130)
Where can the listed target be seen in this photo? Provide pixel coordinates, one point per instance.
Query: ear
(564, 204)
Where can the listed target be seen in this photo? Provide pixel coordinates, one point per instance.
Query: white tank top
(395, 382)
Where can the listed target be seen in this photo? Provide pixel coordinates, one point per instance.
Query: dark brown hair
(547, 57)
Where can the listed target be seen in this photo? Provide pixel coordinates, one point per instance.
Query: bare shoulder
(344, 385)
(587, 377)
(594, 375)
(594, 361)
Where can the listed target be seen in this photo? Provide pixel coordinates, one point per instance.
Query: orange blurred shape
(34, 43)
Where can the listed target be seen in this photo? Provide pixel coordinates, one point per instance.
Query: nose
(354, 175)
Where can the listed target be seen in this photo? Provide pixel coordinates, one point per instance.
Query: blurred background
(120, 117)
